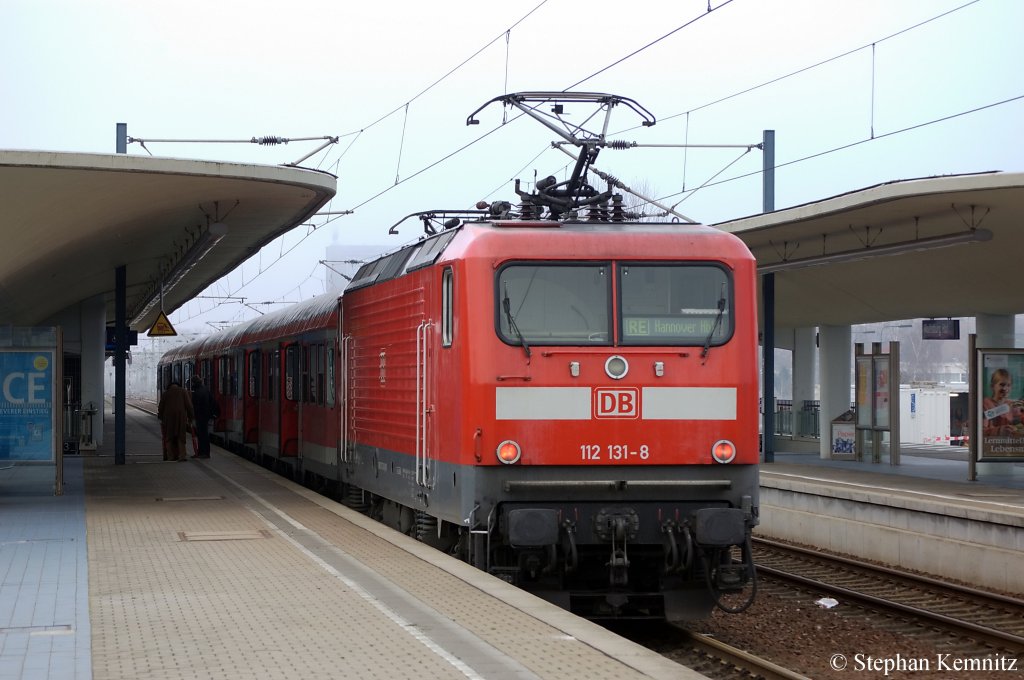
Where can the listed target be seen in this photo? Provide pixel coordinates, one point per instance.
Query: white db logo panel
(617, 403)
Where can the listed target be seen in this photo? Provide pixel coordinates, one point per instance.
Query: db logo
(617, 403)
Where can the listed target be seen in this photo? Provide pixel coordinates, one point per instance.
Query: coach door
(251, 399)
(270, 412)
(289, 414)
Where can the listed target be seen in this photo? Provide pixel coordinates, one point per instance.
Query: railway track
(992, 620)
(703, 653)
(718, 660)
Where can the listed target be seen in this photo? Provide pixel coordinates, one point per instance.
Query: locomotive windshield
(677, 304)
(659, 304)
(550, 304)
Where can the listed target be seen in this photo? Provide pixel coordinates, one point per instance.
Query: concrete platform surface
(221, 569)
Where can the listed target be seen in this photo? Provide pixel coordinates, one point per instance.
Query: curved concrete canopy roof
(69, 220)
(919, 280)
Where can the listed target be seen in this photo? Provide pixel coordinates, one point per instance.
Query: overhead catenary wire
(506, 33)
(451, 71)
(722, 99)
(650, 44)
(873, 138)
(708, 182)
(815, 65)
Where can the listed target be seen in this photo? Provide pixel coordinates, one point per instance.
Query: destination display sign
(940, 329)
(670, 326)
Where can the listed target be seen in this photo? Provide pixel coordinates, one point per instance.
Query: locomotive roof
(668, 239)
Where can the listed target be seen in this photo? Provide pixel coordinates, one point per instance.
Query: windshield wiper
(507, 305)
(714, 328)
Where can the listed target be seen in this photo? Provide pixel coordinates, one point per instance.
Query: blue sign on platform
(26, 405)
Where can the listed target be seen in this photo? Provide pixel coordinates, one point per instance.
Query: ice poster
(26, 406)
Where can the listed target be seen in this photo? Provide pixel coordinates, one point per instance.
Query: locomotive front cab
(625, 429)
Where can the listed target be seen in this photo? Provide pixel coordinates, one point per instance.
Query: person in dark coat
(206, 408)
(176, 416)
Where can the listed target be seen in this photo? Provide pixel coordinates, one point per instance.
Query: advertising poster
(864, 388)
(27, 405)
(881, 388)
(1001, 420)
(844, 437)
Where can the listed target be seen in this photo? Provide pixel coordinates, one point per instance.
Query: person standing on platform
(176, 416)
(206, 408)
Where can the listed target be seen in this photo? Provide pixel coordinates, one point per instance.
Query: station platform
(922, 515)
(221, 569)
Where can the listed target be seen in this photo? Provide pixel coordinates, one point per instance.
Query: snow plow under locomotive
(568, 401)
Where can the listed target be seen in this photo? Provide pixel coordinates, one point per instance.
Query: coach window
(447, 308)
(329, 385)
(223, 375)
(236, 370)
(292, 373)
(273, 374)
(314, 374)
(254, 375)
(673, 304)
(306, 374)
(320, 374)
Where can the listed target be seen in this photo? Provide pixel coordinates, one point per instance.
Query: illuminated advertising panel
(1000, 416)
(27, 405)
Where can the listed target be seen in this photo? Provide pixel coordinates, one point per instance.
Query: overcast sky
(858, 92)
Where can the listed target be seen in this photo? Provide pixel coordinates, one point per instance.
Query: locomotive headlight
(723, 451)
(616, 367)
(508, 452)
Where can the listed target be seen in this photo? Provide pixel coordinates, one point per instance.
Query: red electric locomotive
(568, 401)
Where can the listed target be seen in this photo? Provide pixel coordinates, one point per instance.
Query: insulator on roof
(499, 208)
(598, 213)
(618, 209)
(528, 210)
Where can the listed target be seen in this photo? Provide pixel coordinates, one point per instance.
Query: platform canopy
(933, 247)
(69, 220)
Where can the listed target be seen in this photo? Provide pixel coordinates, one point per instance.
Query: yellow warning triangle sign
(162, 326)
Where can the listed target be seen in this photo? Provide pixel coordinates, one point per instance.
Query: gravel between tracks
(799, 635)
